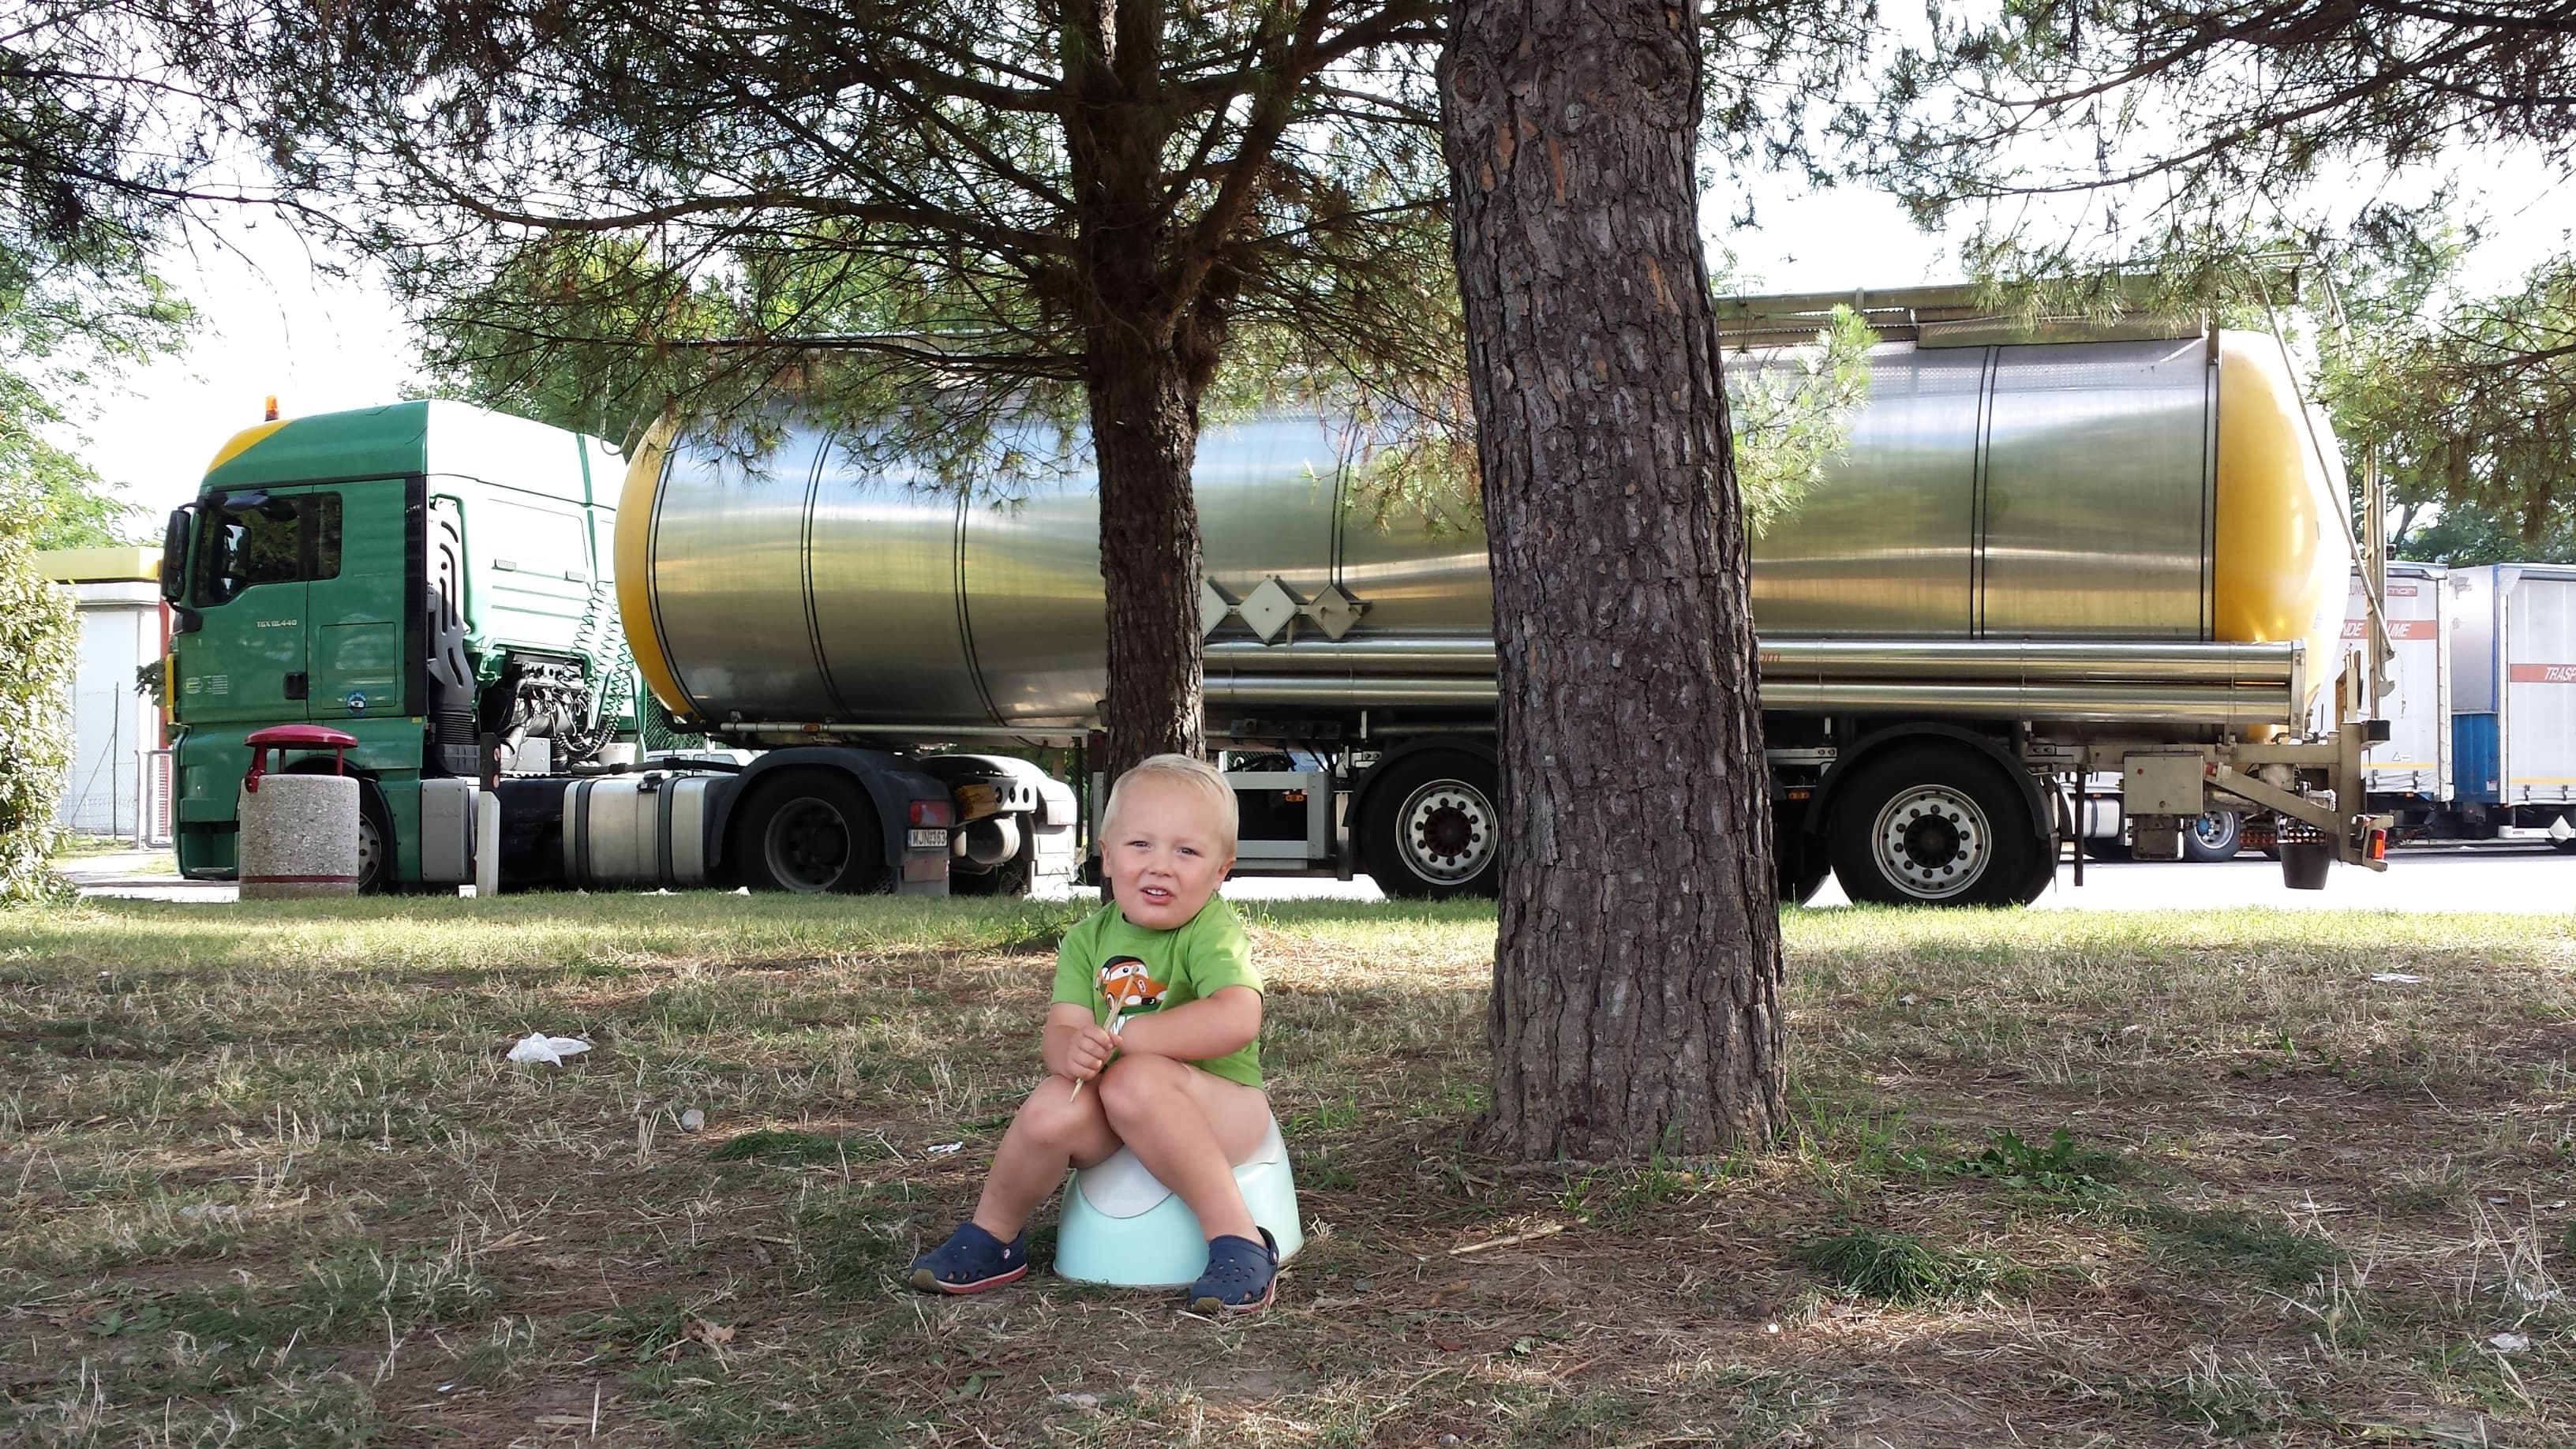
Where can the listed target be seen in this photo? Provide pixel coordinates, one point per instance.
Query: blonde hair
(1191, 774)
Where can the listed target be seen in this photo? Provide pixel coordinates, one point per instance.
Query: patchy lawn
(2058, 1177)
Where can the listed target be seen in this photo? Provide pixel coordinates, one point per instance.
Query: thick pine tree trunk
(1145, 428)
(1145, 362)
(1637, 972)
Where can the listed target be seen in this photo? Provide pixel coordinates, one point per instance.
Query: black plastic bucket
(2304, 864)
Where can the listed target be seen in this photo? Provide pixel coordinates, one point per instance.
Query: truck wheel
(375, 841)
(1933, 825)
(375, 830)
(1432, 830)
(2214, 836)
(809, 831)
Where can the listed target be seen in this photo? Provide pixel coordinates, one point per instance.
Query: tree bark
(1148, 353)
(1145, 430)
(1637, 970)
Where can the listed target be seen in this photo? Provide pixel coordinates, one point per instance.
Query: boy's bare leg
(1189, 1128)
(1052, 1131)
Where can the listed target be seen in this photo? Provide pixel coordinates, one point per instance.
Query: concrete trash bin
(299, 833)
(1122, 1226)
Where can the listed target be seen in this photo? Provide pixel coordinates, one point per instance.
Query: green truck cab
(430, 577)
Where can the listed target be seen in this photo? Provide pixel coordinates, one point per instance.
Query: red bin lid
(300, 737)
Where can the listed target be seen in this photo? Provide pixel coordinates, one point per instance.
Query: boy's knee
(1137, 1084)
(1057, 1116)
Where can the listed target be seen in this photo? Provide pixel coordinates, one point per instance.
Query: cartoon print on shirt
(1129, 986)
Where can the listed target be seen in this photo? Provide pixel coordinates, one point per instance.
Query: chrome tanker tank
(2088, 532)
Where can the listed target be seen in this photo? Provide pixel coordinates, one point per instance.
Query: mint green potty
(1122, 1226)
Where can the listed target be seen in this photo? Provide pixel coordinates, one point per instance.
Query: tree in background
(38, 638)
(932, 221)
(90, 176)
(1634, 1009)
(2189, 112)
(2468, 405)
(60, 501)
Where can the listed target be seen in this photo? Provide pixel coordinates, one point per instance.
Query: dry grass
(264, 1179)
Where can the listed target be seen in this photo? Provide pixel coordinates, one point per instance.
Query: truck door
(355, 605)
(246, 662)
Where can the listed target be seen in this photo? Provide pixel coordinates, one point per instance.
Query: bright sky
(273, 324)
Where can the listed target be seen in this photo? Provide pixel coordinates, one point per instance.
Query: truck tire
(1934, 825)
(809, 831)
(1432, 829)
(2213, 837)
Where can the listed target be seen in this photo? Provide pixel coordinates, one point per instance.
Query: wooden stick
(1551, 1230)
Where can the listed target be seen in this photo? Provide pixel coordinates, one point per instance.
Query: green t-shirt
(1155, 970)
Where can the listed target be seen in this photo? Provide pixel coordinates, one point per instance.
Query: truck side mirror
(174, 553)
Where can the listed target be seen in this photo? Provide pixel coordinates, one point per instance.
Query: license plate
(926, 840)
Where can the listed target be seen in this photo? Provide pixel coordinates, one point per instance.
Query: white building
(119, 599)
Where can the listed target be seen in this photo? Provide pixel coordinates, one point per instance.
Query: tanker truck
(2040, 558)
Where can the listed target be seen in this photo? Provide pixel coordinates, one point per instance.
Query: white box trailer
(2513, 697)
(2412, 767)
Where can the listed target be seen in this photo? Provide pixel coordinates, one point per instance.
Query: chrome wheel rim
(1446, 831)
(1932, 842)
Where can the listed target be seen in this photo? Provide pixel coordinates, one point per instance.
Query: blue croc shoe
(1241, 1275)
(971, 1261)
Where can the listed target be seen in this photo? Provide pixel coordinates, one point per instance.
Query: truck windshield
(255, 538)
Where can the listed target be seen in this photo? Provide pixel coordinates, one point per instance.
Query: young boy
(1179, 1079)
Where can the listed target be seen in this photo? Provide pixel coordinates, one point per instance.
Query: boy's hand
(1088, 1051)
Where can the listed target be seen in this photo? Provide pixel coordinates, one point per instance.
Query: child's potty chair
(1122, 1226)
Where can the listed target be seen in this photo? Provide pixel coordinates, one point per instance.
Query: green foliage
(2464, 534)
(90, 171)
(37, 637)
(1792, 417)
(2468, 405)
(921, 238)
(62, 501)
(1896, 1268)
(2060, 1167)
(2184, 112)
(1621, 1196)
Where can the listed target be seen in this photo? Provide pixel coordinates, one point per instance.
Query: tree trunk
(1144, 366)
(1145, 429)
(1637, 971)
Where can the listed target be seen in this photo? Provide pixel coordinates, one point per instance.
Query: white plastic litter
(536, 1046)
(692, 1119)
(2396, 978)
(942, 1149)
(2509, 1342)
